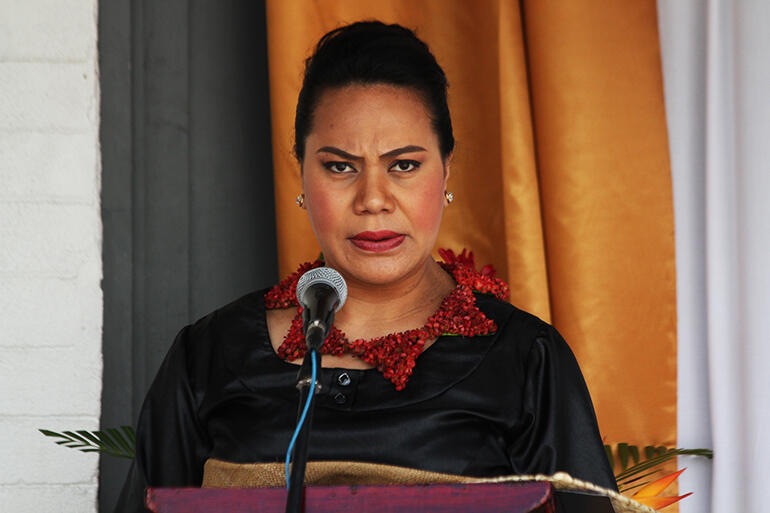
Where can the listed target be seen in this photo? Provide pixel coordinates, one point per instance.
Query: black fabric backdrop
(187, 185)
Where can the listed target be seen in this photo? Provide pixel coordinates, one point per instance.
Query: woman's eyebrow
(399, 151)
(339, 152)
(392, 153)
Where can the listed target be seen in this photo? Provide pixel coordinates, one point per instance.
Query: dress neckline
(252, 361)
(395, 354)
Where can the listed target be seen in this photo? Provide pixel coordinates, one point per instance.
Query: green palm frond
(120, 442)
(633, 469)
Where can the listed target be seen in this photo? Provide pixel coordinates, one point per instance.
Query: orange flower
(649, 494)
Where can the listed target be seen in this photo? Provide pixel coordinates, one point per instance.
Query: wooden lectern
(527, 497)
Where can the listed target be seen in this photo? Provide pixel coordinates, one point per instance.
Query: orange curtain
(561, 174)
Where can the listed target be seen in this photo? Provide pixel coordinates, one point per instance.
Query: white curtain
(716, 67)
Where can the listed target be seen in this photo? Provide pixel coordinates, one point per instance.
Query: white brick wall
(50, 252)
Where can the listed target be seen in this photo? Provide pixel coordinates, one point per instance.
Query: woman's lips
(377, 242)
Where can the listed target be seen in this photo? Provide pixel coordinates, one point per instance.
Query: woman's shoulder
(520, 332)
(510, 318)
(205, 342)
(241, 310)
(235, 316)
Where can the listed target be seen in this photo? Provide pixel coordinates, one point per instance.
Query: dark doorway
(187, 188)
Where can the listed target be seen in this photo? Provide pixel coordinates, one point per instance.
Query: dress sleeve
(558, 430)
(171, 446)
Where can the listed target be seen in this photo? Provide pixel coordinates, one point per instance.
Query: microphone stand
(296, 495)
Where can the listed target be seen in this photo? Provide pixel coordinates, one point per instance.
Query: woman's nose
(374, 193)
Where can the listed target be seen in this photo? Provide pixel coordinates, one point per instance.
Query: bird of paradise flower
(635, 469)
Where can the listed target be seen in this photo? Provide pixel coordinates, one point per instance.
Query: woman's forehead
(365, 117)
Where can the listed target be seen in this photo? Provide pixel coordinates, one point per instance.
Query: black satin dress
(513, 402)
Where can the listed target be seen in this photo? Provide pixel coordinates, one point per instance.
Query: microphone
(321, 292)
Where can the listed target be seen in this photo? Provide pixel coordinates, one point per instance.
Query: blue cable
(301, 417)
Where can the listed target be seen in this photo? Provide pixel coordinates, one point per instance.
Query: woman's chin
(380, 269)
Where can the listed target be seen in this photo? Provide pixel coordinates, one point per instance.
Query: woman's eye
(405, 165)
(338, 167)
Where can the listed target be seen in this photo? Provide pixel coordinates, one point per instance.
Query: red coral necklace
(394, 354)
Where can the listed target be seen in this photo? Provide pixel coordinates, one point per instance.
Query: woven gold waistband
(223, 474)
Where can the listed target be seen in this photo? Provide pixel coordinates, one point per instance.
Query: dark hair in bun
(371, 52)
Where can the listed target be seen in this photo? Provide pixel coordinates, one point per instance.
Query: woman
(426, 367)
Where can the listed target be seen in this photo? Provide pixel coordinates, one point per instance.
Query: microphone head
(327, 276)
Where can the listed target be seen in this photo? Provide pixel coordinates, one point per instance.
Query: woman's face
(374, 182)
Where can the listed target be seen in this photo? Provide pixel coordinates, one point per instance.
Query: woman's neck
(376, 310)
